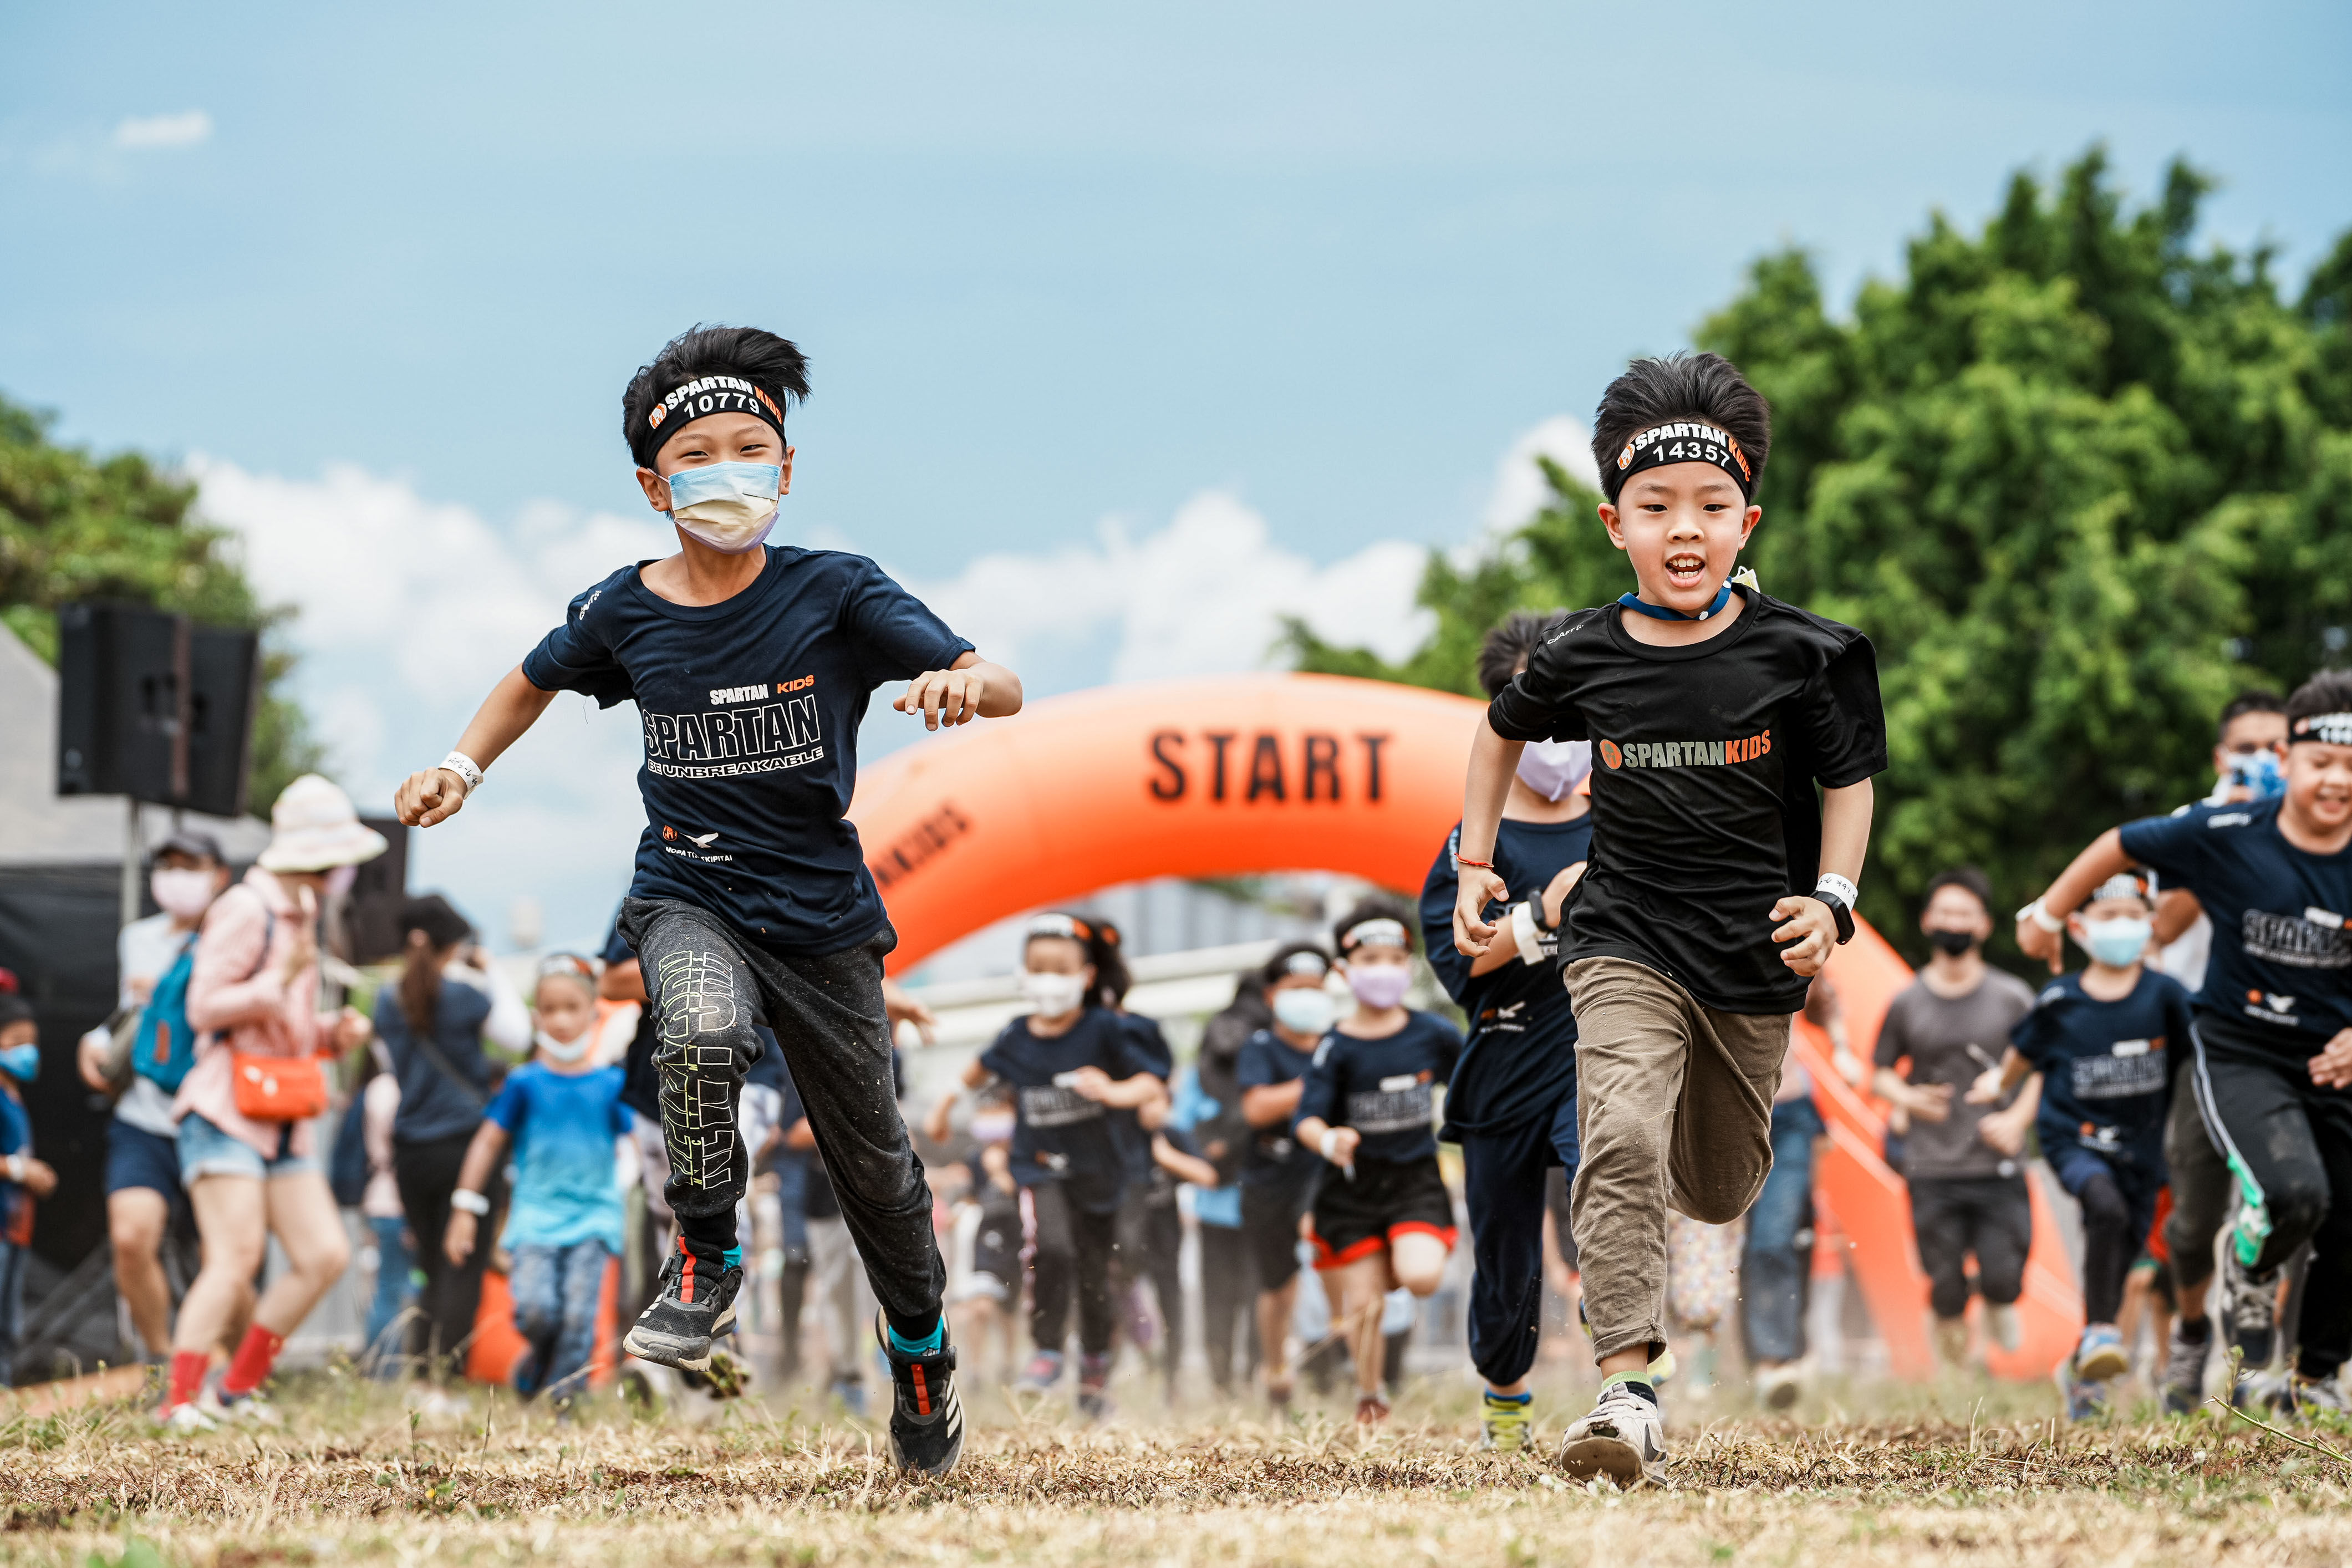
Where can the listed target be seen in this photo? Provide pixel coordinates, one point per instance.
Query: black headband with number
(682, 406)
(1681, 441)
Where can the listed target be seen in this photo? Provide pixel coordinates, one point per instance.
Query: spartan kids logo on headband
(1686, 441)
(2329, 729)
(709, 395)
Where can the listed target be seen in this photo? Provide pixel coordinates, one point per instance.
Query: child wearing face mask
(563, 1115)
(1279, 1173)
(2103, 1042)
(23, 1178)
(1382, 1218)
(1069, 1062)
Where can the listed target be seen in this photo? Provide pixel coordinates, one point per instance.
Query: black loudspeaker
(156, 707)
(378, 890)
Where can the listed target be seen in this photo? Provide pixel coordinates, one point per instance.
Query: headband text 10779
(706, 395)
(2332, 729)
(1682, 441)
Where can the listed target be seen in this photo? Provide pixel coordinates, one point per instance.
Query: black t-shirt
(1150, 1046)
(2280, 975)
(1521, 1056)
(1059, 1135)
(1705, 761)
(750, 710)
(1383, 1088)
(1275, 1157)
(2106, 1066)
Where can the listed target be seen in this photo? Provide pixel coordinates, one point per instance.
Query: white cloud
(1519, 490)
(1204, 596)
(142, 133)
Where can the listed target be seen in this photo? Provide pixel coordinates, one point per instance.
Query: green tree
(2080, 483)
(76, 527)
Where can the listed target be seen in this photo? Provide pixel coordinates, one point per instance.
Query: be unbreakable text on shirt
(756, 728)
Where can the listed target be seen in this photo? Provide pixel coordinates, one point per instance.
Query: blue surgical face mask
(2256, 772)
(1303, 1011)
(2116, 943)
(22, 1062)
(730, 507)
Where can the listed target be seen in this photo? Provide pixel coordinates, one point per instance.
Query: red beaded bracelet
(1482, 864)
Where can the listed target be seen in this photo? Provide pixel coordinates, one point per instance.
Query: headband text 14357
(1682, 441)
(706, 395)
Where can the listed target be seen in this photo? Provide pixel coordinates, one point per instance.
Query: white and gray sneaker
(2249, 1307)
(1623, 1438)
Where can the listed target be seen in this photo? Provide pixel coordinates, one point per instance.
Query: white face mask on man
(182, 894)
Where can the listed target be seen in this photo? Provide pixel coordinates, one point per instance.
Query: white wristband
(1330, 1142)
(15, 1167)
(461, 764)
(1525, 933)
(474, 1204)
(1830, 882)
(2041, 916)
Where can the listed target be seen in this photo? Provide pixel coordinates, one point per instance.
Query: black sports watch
(1840, 910)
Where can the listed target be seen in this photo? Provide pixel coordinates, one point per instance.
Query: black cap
(194, 841)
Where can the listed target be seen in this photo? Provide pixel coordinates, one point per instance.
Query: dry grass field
(352, 1477)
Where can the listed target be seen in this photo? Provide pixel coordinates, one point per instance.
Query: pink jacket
(241, 1000)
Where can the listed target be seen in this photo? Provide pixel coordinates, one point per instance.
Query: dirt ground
(353, 1475)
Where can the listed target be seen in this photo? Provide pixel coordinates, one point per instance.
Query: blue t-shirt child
(1274, 1160)
(2279, 982)
(15, 1200)
(1221, 1205)
(750, 709)
(2107, 1072)
(562, 1126)
(1383, 1088)
(1058, 1134)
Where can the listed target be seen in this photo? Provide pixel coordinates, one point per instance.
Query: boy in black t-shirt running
(2272, 1024)
(1716, 887)
(750, 665)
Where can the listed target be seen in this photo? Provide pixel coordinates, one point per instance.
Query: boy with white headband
(1512, 1102)
(750, 665)
(2272, 1027)
(1716, 887)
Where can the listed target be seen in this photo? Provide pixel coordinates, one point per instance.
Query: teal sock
(929, 1344)
(731, 1258)
(1495, 1398)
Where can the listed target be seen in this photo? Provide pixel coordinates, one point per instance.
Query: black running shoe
(926, 1417)
(692, 1309)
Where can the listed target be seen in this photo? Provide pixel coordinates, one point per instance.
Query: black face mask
(1953, 942)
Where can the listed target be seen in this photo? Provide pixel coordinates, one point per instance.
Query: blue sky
(1064, 272)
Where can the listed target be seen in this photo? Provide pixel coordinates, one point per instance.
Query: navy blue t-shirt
(1058, 1134)
(750, 710)
(1152, 1046)
(2106, 1066)
(2280, 977)
(1383, 1088)
(1520, 1060)
(1274, 1158)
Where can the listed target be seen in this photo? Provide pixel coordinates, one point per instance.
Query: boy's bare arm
(435, 795)
(970, 688)
(1810, 931)
(1492, 760)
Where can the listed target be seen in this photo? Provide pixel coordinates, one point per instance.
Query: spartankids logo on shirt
(1685, 753)
(761, 728)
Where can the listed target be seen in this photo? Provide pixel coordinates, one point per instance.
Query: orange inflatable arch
(1273, 772)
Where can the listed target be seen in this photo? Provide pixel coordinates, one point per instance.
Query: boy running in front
(1714, 712)
(2103, 1042)
(2272, 1026)
(750, 665)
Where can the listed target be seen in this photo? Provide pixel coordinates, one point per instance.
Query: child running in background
(2102, 1042)
(984, 1283)
(563, 1115)
(1279, 1175)
(1069, 1062)
(2271, 1029)
(1382, 1220)
(23, 1178)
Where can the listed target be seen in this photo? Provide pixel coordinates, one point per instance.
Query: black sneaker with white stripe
(926, 1417)
(695, 1306)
